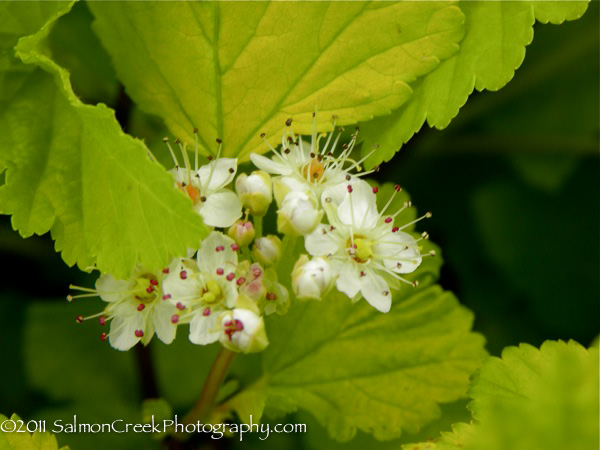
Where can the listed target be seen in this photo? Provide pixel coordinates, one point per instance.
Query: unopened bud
(311, 278)
(267, 250)
(255, 191)
(242, 232)
(299, 213)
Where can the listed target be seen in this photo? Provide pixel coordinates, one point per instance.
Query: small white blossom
(243, 330)
(364, 246)
(135, 309)
(203, 289)
(206, 187)
(311, 279)
(299, 213)
(317, 166)
(255, 191)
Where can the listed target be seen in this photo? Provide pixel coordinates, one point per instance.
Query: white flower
(201, 290)
(315, 167)
(218, 206)
(243, 330)
(255, 191)
(299, 213)
(135, 309)
(311, 279)
(366, 250)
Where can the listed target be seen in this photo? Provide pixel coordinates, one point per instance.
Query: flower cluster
(223, 290)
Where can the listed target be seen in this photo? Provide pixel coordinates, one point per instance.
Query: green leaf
(234, 70)
(72, 170)
(21, 19)
(492, 49)
(37, 440)
(542, 399)
(350, 366)
(531, 399)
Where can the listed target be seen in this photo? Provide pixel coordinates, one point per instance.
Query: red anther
(235, 247)
(230, 276)
(174, 318)
(154, 282)
(395, 229)
(397, 188)
(240, 281)
(232, 326)
(362, 274)
(180, 306)
(349, 187)
(165, 270)
(150, 289)
(102, 320)
(141, 307)
(103, 337)
(166, 296)
(220, 271)
(388, 219)
(183, 274)
(354, 246)
(375, 190)
(271, 296)
(79, 319)
(220, 248)
(256, 272)
(206, 312)
(139, 333)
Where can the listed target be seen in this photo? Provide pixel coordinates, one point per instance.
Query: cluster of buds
(226, 290)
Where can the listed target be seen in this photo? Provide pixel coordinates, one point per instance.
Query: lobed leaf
(71, 170)
(237, 69)
(496, 34)
(350, 366)
(23, 440)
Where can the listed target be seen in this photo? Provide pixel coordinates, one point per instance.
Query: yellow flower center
(212, 293)
(146, 288)
(362, 250)
(315, 170)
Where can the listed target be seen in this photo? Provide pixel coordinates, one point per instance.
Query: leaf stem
(258, 228)
(213, 382)
(284, 268)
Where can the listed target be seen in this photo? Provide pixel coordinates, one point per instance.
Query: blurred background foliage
(513, 183)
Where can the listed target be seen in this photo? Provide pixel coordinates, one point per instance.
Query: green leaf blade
(71, 170)
(235, 85)
(350, 365)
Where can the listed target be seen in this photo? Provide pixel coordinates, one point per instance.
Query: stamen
(175, 318)
(196, 149)
(139, 333)
(230, 276)
(166, 141)
(424, 216)
(220, 271)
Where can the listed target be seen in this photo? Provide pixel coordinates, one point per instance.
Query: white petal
(359, 208)
(277, 165)
(210, 259)
(221, 209)
(111, 290)
(322, 241)
(122, 331)
(182, 290)
(204, 329)
(217, 174)
(165, 329)
(399, 251)
(348, 277)
(376, 291)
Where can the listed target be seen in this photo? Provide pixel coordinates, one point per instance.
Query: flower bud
(311, 279)
(243, 331)
(242, 232)
(267, 250)
(299, 213)
(255, 191)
